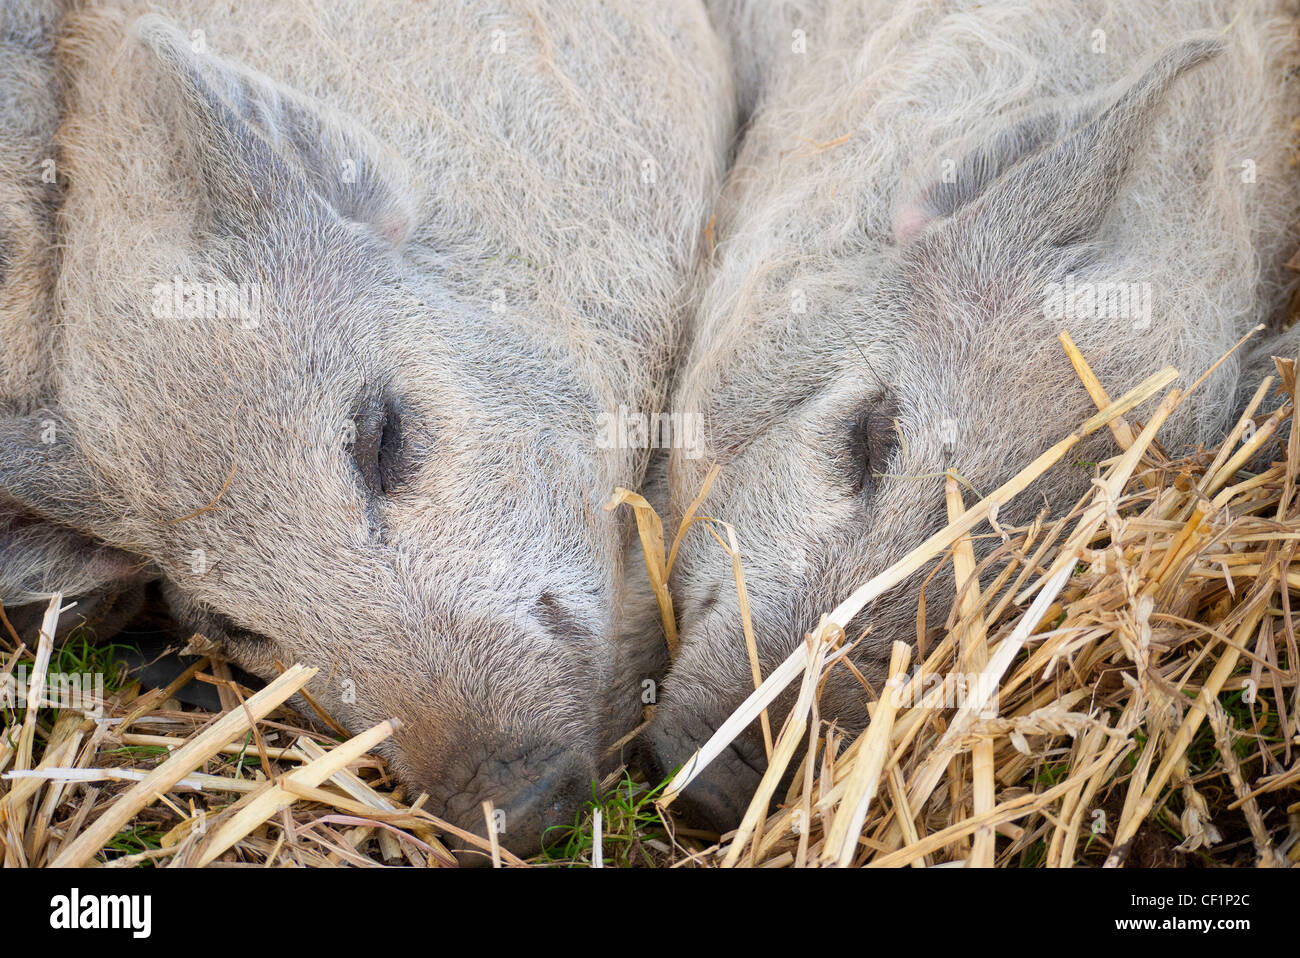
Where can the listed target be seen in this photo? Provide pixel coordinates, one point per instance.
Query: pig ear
(260, 147)
(1053, 178)
(39, 558)
(970, 176)
(1063, 194)
(46, 492)
(43, 470)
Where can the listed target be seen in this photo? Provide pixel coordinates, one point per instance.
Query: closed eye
(222, 628)
(872, 440)
(380, 447)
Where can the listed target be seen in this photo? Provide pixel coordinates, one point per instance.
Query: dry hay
(1122, 690)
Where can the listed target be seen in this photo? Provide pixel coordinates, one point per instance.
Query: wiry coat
(34, 555)
(29, 114)
(467, 232)
(879, 307)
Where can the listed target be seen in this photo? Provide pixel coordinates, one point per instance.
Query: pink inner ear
(394, 225)
(911, 219)
(108, 565)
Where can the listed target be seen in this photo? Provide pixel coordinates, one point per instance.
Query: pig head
(340, 393)
(900, 242)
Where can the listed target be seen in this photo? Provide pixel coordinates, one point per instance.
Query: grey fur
(468, 231)
(859, 300)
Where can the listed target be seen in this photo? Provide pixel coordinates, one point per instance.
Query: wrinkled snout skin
(345, 294)
(717, 799)
(534, 787)
(916, 194)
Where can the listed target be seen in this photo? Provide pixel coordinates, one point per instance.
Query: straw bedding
(1115, 686)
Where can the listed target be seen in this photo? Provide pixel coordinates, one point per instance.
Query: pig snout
(537, 789)
(717, 798)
